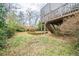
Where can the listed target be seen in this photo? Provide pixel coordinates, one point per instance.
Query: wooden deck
(63, 16)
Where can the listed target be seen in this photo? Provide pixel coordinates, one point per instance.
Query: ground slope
(26, 44)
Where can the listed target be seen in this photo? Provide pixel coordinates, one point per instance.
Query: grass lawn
(44, 45)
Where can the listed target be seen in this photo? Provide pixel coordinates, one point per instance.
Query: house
(55, 13)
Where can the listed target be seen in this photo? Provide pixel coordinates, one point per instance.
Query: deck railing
(65, 9)
(61, 11)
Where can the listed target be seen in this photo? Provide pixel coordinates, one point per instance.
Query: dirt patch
(38, 32)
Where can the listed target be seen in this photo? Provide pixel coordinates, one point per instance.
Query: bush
(10, 32)
(76, 45)
(40, 26)
(3, 34)
(3, 38)
(13, 23)
(20, 28)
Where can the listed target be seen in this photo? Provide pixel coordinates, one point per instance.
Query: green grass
(18, 40)
(27, 44)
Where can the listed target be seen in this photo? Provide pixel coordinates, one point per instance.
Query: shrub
(76, 45)
(13, 23)
(3, 34)
(40, 26)
(3, 38)
(10, 28)
(10, 32)
(20, 28)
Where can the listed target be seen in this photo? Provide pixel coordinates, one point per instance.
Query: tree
(40, 26)
(21, 17)
(3, 26)
(35, 17)
(29, 15)
(32, 16)
(12, 7)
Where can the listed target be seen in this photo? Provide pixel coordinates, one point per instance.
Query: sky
(32, 6)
